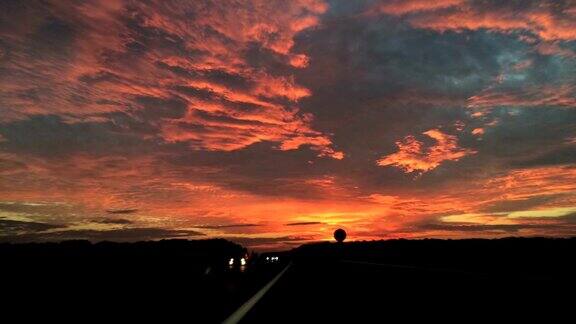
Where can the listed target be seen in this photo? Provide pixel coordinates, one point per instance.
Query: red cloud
(560, 96)
(543, 20)
(412, 156)
(478, 131)
(193, 51)
(552, 48)
(523, 183)
(401, 7)
(319, 143)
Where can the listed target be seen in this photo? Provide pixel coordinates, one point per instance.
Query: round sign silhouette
(340, 235)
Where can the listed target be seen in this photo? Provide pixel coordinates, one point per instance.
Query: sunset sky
(272, 123)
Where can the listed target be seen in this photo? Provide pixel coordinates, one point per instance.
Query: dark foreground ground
(374, 282)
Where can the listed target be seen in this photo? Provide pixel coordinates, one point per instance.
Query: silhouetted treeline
(533, 257)
(196, 256)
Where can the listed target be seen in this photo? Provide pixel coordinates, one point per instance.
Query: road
(361, 292)
(307, 292)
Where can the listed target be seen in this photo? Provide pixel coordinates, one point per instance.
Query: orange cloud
(553, 48)
(202, 61)
(319, 143)
(273, 26)
(559, 96)
(542, 20)
(401, 7)
(45, 81)
(280, 87)
(412, 156)
(529, 182)
(478, 131)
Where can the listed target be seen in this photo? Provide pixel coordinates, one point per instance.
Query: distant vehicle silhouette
(340, 235)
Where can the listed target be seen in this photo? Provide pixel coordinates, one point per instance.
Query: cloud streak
(117, 235)
(549, 20)
(413, 156)
(113, 54)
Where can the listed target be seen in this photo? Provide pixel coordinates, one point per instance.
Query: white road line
(247, 306)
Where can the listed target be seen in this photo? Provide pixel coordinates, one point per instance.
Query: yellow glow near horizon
(552, 212)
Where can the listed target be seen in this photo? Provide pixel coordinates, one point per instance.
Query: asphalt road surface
(330, 291)
(361, 292)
